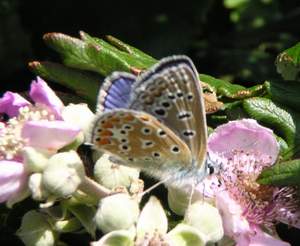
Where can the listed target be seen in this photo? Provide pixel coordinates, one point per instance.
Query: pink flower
(244, 149)
(39, 125)
(42, 94)
(13, 178)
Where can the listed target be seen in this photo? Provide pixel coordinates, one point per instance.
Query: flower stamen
(11, 142)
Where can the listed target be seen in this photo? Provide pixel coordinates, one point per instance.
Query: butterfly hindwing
(140, 140)
(173, 94)
(115, 91)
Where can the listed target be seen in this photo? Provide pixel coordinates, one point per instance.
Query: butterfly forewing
(174, 96)
(140, 140)
(115, 91)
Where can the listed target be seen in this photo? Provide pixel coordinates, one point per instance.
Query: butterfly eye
(211, 170)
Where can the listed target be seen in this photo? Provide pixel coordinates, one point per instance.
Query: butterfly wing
(141, 141)
(115, 91)
(163, 64)
(172, 92)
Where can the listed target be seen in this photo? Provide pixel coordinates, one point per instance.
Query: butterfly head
(212, 165)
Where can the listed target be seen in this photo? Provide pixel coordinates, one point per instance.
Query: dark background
(234, 39)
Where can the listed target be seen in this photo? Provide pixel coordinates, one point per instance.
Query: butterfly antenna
(191, 194)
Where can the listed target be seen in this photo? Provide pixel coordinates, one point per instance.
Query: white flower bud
(117, 212)
(35, 160)
(38, 192)
(206, 219)
(153, 219)
(79, 115)
(112, 175)
(179, 198)
(63, 174)
(35, 230)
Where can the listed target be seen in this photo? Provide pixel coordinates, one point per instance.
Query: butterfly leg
(154, 186)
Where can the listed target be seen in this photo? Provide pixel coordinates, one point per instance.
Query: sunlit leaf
(234, 91)
(284, 173)
(288, 63)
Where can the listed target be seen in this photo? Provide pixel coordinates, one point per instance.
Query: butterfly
(156, 121)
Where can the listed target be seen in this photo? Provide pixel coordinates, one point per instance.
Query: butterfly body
(159, 124)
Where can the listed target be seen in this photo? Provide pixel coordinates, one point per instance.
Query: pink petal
(41, 93)
(13, 179)
(260, 238)
(11, 102)
(244, 135)
(237, 227)
(51, 135)
(234, 223)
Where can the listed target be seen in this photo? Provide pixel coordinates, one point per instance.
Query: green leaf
(72, 50)
(79, 54)
(284, 148)
(133, 56)
(97, 55)
(138, 54)
(284, 173)
(288, 63)
(285, 92)
(234, 91)
(84, 84)
(266, 111)
(124, 56)
(85, 214)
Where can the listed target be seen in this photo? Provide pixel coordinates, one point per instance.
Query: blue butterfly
(155, 121)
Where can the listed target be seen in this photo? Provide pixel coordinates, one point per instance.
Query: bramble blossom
(249, 209)
(39, 125)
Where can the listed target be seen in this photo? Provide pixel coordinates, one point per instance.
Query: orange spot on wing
(114, 120)
(144, 118)
(104, 141)
(107, 125)
(128, 117)
(106, 133)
